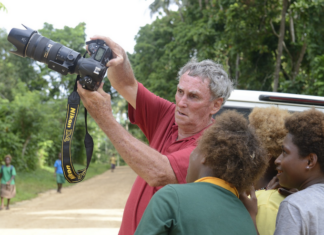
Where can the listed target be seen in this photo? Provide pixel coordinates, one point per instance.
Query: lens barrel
(33, 45)
(63, 59)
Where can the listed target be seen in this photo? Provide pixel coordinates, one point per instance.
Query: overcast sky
(118, 19)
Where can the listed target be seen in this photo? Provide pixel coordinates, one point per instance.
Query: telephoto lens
(63, 59)
(31, 44)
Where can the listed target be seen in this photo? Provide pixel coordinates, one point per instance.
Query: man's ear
(216, 105)
(312, 160)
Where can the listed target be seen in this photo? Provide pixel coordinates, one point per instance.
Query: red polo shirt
(155, 117)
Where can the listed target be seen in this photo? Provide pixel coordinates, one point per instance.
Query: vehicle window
(245, 111)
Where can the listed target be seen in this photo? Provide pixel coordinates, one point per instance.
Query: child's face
(194, 166)
(291, 166)
(7, 160)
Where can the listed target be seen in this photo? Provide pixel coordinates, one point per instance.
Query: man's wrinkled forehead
(193, 90)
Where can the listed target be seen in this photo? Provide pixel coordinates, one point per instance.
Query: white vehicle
(244, 101)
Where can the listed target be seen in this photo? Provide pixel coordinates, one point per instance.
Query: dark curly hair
(233, 150)
(307, 129)
(269, 124)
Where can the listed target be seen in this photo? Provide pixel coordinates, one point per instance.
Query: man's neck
(187, 133)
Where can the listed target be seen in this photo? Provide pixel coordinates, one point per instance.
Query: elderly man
(172, 129)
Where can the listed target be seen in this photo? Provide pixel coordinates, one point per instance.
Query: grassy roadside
(30, 184)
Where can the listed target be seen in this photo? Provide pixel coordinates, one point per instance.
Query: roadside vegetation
(30, 184)
(273, 45)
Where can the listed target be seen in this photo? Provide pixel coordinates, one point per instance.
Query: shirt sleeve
(160, 216)
(14, 171)
(150, 111)
(289, 220)
(179, 161)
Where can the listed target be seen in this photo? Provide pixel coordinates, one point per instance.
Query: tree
(33, 104)
(254, 40)
(2, 7)
(157, 5)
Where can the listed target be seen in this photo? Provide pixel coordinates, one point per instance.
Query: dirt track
(92, 207)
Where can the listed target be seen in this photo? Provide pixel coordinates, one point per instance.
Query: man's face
(290, 165)
(193, 104)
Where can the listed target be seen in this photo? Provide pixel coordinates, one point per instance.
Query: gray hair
(219, 84)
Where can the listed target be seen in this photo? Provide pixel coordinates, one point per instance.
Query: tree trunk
(25, 146)
(237, 72)
(292, 27)
(300, 59)
(280, 44)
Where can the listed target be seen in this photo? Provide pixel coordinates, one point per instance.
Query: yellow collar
(219, 182)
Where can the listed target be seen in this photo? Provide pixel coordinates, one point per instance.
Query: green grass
(30, 184)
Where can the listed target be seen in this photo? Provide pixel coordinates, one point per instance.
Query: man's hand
(120, 73)
(97, 103)
(118, 52)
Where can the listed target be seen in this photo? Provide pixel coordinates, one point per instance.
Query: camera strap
(70, 174)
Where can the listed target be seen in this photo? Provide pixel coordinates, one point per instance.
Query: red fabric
(155, 117)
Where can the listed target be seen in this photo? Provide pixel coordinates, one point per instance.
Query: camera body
(92, 70)
(63, 59)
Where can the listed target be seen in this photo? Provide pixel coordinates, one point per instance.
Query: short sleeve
(289, 220)
(55, 164)
(160, 216)
(179, 161)
(14, 171)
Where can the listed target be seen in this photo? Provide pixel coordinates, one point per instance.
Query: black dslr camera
(63, 59)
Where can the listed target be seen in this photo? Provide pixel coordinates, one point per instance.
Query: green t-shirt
(195, 209)
(7, 173)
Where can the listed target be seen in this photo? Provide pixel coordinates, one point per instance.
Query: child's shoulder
(309, 195)
(191, 188)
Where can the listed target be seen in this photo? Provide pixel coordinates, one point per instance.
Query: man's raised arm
(148, 163)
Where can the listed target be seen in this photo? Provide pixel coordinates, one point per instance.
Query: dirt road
(92, 207)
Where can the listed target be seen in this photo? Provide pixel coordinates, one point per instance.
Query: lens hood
(20, 38)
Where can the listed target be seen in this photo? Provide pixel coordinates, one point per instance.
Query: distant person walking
(113, 163)
(58, 173)
(7, 176)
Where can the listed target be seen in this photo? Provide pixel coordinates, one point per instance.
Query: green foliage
(30, 184)
(241, 35)
(2, 7)
(73, 38)
(33, 103)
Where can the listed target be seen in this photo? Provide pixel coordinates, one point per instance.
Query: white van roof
(292, 102)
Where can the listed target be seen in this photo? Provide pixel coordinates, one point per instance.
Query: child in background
(8, 187)
(58, 173)
(227, 160)
(269, 125)
(301, 166)
(113, 162)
